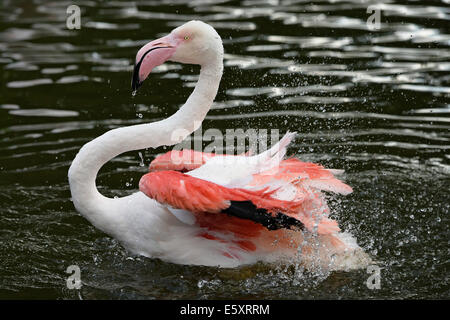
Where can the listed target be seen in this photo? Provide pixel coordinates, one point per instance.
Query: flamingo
(223, 211)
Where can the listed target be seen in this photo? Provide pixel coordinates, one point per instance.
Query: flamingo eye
(186, 37)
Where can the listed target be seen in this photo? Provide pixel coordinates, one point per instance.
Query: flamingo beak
(151, 55)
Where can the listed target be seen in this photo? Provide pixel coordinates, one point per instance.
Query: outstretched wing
(226, 170)
(236, 185)
(199, 196)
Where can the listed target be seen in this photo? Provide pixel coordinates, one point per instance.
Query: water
(375, 103)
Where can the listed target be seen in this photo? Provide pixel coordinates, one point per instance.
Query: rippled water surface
(373, 102)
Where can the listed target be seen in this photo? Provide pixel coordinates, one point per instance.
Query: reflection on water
(374, 102)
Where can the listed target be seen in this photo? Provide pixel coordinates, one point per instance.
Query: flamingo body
(217, 210)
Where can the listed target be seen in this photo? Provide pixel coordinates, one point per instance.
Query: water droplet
(201, 283)
(141, 164)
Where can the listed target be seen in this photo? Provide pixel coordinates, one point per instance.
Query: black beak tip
(135, 82)
(135, 85)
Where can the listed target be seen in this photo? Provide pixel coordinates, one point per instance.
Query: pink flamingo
(224, 210)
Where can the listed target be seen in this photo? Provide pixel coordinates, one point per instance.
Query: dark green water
(375, 103)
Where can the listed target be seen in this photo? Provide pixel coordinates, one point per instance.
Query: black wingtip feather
(247, 210)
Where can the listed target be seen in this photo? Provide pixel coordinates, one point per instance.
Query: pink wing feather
(196, 195)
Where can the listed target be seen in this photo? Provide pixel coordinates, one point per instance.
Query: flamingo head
(194, 42)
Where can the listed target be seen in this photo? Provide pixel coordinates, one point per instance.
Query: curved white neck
(93, 155)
